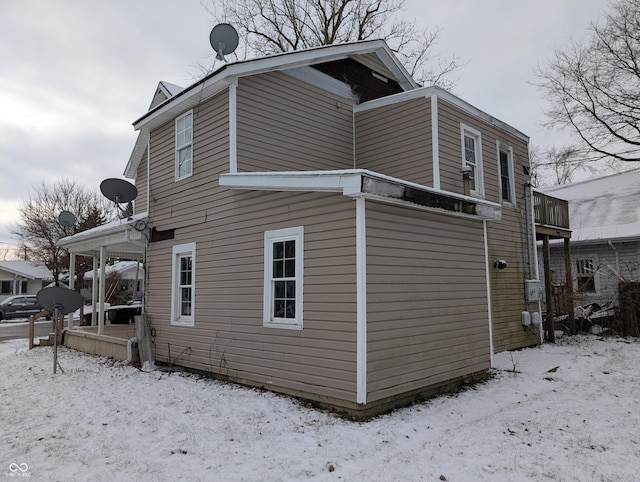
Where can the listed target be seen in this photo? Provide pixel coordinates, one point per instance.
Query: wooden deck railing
(550, 211)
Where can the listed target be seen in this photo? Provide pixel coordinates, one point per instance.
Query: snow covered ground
(102, 420)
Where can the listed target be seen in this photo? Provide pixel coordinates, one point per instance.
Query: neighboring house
(309, 230)
(605, 241)
(128, 282)
(22, 277)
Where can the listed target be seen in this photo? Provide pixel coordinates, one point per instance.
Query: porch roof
(124, 237)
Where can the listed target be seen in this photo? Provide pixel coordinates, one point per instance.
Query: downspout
(233, 128)
(130, 343)
(527, 188)
(148, 172)
(610, 243)
(361, 302)
(72, 285)
(488, 276)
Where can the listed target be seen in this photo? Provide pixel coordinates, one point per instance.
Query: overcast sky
(75, 74)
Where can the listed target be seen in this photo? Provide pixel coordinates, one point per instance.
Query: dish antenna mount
(66, 219)
(119, 191)
(59, 301)
(224, 40)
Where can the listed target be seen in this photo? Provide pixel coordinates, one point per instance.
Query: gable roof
(603, 209)
(228, 73)
(27, 269)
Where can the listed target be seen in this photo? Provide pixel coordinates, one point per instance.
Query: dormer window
(184, 146)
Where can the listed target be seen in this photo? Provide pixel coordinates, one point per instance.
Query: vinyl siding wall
(228, 228)
(628, 263)
(396, 140)
(140, 204)
(285, 124)
(427, 311)
(507, 238)
(228, 337)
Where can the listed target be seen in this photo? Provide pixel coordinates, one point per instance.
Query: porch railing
(550, 211)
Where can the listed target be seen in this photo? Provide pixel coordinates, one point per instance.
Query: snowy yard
(105, 421)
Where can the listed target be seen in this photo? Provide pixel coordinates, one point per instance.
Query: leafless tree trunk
(273, 26)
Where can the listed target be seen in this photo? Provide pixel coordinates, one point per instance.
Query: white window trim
(177, 252)
(180, 147)
(500, 146)
(470, 131)
(270, 237)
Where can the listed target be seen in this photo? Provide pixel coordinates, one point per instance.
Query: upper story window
(283, 273)
(183, 286)
(184, 145)
(472, 157)
(505, 165)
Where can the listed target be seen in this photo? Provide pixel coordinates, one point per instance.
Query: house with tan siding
(309, 230)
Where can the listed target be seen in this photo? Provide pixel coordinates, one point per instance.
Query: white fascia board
(361, 182)
(136, 155)
(103, 232)
(348, 182)
(218, 81)
(444, 95)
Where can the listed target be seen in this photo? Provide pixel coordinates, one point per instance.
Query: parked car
(19, 306)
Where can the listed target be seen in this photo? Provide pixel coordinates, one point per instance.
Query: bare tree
(274, 26)
(593, 86)
(554, 166)
(39, 230)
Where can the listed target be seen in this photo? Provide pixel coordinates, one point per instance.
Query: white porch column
(103, 259)
(94, 292)
(72, 283)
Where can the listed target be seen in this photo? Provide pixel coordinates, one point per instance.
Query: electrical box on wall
(532, 290)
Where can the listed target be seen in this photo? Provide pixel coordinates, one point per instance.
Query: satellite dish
(63, 300)
(67, 219)
(118, 190)
(59, 301)
(224, 40)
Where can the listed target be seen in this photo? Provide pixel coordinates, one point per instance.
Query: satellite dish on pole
(119, 191)
(59, 301)
(66, 219)
(224, 40)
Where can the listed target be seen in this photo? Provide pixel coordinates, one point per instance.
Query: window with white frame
(505, 165)
(472, 157)
(183, 286)
(184, 145)
(585, 275)
(283, 275)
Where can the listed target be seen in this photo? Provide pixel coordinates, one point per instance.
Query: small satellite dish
(224, 40)
(118, 190)
(67, 219)
(61, 299)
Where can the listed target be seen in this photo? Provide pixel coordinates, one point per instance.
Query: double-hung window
(472, 157)
(585, 271)
(184, 145)
(505, 164)
(283, 275)
(183, 286)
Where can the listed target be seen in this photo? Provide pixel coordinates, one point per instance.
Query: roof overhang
(229, 73)
(368, 184)
(123, 238)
